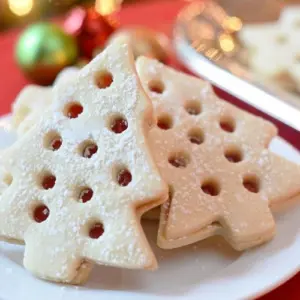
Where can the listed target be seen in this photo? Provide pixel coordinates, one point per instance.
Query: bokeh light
(227, 43)
(20, 7)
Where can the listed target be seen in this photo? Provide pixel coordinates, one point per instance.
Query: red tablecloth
(158, 15)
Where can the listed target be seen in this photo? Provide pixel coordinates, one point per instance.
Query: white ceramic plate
(207, 270)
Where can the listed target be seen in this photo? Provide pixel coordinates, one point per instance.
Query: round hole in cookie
(251, 183)
(179, 159)
(7, 179)
(211, 187)
(104, 79)
(88, 148)
(52, 141)
(73, 110)
(118, 124)
(85, 194)
(196, 136)
(55, 144)
(233, 154)
(227, 124)
(96, 230)
(41, 213)
(193, 107)
(156, 86)
(48, 181)
(164, 122)
(123, 176)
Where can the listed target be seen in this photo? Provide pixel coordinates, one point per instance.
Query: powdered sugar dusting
(191, 213)
(55, 248)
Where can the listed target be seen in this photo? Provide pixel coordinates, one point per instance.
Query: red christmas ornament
(90, 28)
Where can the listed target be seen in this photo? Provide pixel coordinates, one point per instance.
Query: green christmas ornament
(43, 50)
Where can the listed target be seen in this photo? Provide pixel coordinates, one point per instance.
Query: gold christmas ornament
(43, 50)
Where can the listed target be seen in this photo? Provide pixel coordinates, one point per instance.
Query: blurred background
(227, 35)
(20, 12)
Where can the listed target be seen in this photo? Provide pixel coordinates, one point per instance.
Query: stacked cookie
(100, 149)
(274, 48)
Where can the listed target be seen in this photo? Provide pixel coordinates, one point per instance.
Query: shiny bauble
(145, 42)
(90, 28)
(43, 50)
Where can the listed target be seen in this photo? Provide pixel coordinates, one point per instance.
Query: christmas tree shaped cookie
(274, 48)
(77, 177)
(30, 105)
(214, 156)
(34, 100)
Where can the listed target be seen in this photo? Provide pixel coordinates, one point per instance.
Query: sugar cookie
(80, 174)
(214, 156)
